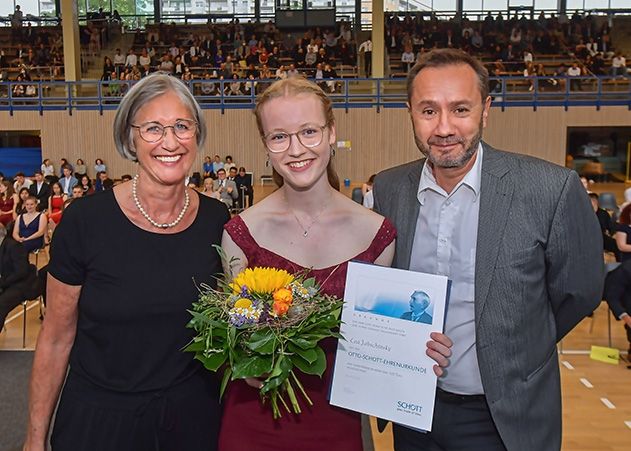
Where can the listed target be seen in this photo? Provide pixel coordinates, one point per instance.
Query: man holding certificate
(515, 236)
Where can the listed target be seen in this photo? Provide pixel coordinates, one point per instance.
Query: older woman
(119, 285)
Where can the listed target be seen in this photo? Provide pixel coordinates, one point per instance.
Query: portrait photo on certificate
(381, 368)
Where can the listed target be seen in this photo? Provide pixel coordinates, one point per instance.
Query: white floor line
(567, 364)
(628, 423)
(586, 383)
(17, 315)
(575, 352)
(607, 403)
(28, 348)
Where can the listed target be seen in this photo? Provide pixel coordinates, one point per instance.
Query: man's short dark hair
(19, 174)
(38, 173)
(448, 57)
(593, 196)
(221, 170)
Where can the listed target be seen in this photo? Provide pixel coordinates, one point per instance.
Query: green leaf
(316, 368)
(263, 341)
(279, 374)
(309, 283)
(195, 346)
(309, 355)
(252, 367)
(213, 361)
(303, 342)
(224, 381)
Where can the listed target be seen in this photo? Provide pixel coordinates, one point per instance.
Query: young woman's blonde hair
(290, 87)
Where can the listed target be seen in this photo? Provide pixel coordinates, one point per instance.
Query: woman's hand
(439, 350)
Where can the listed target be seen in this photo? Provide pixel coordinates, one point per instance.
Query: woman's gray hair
(144, 91)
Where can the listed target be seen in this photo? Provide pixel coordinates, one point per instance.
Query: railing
(346, 93)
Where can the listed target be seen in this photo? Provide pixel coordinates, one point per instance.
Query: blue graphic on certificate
(381, 368)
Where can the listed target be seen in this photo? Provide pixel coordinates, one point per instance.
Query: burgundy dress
(247, 424)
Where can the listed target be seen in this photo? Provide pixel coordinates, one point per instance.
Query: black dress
(130, 386)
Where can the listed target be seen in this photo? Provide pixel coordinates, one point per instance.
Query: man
(41, 190)
(21, 182)
(518, 240)
(68, 181)
(227, 189)
(607, 225)
(419, 301)
(101, 183)
(366, 49)
(77, 192)
(243, 180)
(18, 280)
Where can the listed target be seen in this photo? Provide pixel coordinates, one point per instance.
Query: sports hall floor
(596, 396)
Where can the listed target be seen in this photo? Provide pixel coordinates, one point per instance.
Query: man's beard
(450, 163)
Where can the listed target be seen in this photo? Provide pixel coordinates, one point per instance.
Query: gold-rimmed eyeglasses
(310, 136)
(152, 132)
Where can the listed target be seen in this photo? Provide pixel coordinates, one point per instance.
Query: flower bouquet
(266, 323)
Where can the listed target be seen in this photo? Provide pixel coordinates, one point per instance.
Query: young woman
(8, 202)
(86, 185)
(20, 207)
(305, 225)
(56, 203)
(30, 226)
(208, 189)
(80, 168)
(99, 166)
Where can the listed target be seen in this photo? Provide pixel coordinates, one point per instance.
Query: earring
(267, 162)
(332, 151)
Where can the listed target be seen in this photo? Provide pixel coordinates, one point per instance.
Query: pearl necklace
(165, 225)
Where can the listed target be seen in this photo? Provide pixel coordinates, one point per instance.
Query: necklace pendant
(306, 232)
(164, 226)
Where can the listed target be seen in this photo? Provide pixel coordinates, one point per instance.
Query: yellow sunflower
(262, 280)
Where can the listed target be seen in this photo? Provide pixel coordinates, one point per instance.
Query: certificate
(381, 368)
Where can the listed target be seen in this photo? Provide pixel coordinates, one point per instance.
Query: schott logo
(409, 406)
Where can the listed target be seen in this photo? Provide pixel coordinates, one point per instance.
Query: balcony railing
(507, 92)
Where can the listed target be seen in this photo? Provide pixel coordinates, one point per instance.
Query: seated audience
(40, 190)
(8, 202)
(227, 188)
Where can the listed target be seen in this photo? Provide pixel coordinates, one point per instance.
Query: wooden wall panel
(378, 140)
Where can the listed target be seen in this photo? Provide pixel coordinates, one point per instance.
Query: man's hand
(439, 350)
(627, 320)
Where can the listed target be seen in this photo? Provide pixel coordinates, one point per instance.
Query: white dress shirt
(445, 243)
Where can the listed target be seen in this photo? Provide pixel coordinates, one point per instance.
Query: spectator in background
(119, 60)
(217, 164)
(80, 169)
(618, 295)
(85, 183)
(30, 226)
(618, 65)
(68, 181)
(243, 180)
(48, 170)
(227, 189)
(228, 164)
(366, 49)
(23, 194)
(208, 188)
(8, 202)
(607, 226)
(132, 59)
(101, 182)
(369, 198)
(40, 190)
(21, 182)
(623, 234)
(18, 281)
(99, 166)
(108, 67)
(207, 167)
(16, 24)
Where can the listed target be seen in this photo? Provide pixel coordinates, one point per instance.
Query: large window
(28, 7)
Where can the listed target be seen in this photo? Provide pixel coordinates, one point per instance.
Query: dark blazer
(42, 195)
(538, 272)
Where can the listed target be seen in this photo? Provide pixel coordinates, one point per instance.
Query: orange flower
(283, 295)
(280, 308)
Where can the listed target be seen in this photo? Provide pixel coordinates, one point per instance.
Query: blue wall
(20, 159)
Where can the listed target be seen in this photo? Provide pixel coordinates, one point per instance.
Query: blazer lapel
(409, 214)
(496, 193)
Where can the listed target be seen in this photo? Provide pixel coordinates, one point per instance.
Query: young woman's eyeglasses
(152, 132)
(310, 136)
